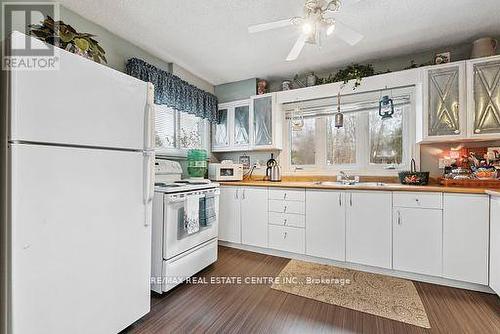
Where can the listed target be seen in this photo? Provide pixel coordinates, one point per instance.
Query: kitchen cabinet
(444, 92)
(241, 128)
(466, 237)
(288, 239)
(262, 109)
(243, 215)
(287, 194)
(246, 125)
(325, 224)
(460, 100)
(232, 131)
(495, 244)
(254, 216)
(287, 206)
(369, 227)
(417, 240)
(267, 122)
(287, 219)
(229, 214)
(419, 200)
(483, 87)
(220, 138)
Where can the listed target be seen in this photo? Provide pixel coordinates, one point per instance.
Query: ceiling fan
(317, 24)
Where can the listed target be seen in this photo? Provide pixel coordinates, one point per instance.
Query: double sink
(350, 183)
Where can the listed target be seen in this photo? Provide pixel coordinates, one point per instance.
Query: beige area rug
(384, 296)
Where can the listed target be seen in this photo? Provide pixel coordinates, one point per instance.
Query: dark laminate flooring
(232, 308)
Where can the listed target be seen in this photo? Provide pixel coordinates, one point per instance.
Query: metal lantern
(339, 117)
(386, 107)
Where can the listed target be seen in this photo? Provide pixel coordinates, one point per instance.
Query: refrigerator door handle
(149, 120)
(148, 184)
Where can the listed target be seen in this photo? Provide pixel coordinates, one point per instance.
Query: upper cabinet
(241, 133)
(461, 100)
(444, 105)
(232, 131)
(248, 125)
(483, 87)
(262, 109)
(267, 122)
(220, 138)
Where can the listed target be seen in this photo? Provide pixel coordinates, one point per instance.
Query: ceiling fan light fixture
(333, 6)
(307, 28)
(315, 26)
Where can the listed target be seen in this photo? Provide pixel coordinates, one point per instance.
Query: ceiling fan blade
(269, 26)
(297, 48)
(347, 34)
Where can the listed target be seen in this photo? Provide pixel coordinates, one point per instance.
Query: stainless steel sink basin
(357, 184)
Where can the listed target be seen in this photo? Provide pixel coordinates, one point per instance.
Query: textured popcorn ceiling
(210, 39)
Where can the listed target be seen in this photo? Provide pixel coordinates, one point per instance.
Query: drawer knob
(284, 209)
(284, 235)
(284, 221)
(284, 196)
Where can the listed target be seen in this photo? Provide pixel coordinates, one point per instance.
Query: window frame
(362, 165)
(179, 152)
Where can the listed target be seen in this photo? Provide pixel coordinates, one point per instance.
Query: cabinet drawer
(418, 200)
(287, 219)
(287, 206)
(288, 194)
(289, 239)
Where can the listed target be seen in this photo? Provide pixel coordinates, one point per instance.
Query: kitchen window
(303, 142)
(365, 144)
(176, 132)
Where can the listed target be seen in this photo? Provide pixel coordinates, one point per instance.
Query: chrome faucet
(347, 179)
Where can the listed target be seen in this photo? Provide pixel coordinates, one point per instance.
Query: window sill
(354, 172)
(179, 154)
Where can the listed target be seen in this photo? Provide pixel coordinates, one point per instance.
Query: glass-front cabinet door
(232, 131)
(220, 130)
(445, 113)
(484, 97)
(262, 120)
(241, 133)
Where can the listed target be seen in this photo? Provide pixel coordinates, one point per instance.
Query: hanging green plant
(66, 37)
(354, 72)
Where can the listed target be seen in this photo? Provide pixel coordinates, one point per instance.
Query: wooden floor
(235, 308)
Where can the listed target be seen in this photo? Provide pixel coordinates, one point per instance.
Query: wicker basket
(413, 177)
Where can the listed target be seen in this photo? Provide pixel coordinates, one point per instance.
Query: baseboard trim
(376, 270)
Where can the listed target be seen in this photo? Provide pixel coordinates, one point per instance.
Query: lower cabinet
(368, 228)
(325, 224)
(243, 215)
(417, 240)
(443, 235)
(289, 239)
(495, 245)
(466, 237)
(229, 214)
(254, 216)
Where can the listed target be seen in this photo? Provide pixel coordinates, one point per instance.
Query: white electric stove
(177, 255)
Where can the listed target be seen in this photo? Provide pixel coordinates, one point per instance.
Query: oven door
(175, 238)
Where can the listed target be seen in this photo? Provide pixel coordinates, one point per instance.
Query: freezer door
(81, 103)
(81, 247)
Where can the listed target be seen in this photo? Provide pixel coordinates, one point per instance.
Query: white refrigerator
(77, 187)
